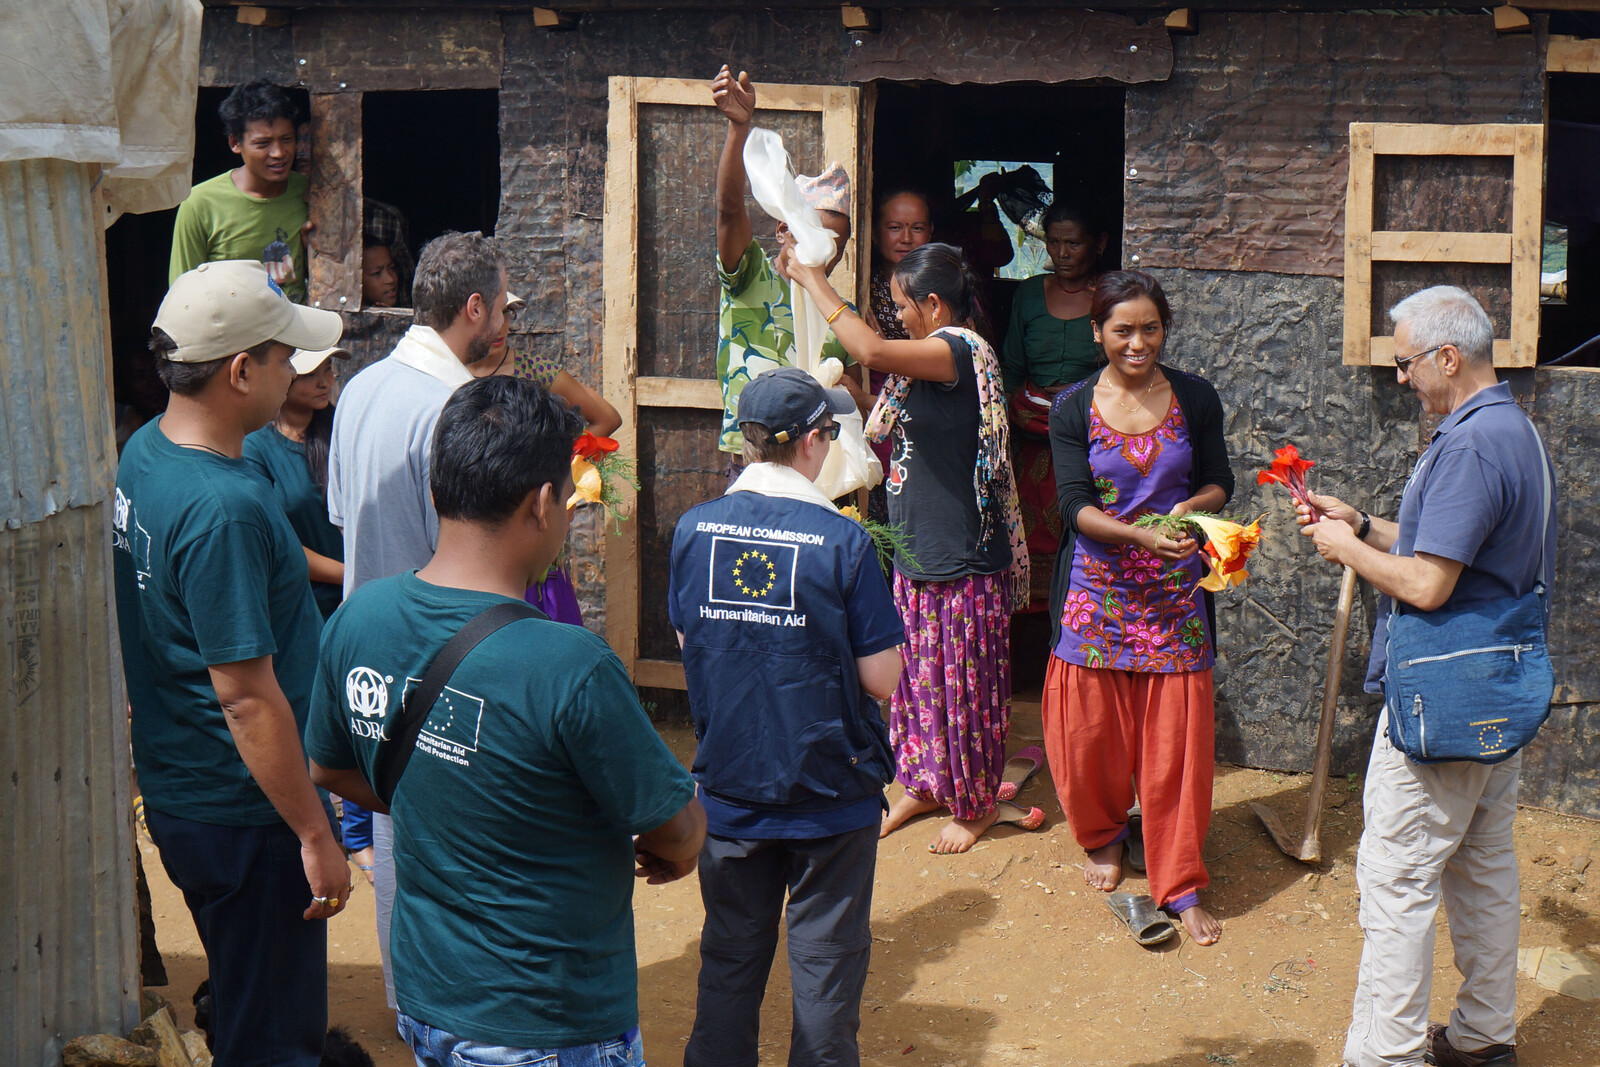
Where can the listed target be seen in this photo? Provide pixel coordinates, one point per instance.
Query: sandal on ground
(1135, 839)
(1141, 916)
(1018, 770)
(1017, 815)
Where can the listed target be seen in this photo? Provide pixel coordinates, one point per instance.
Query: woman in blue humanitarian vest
(963, 567)
(291, 453)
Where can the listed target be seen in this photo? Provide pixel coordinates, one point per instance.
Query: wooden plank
(695, 92)
(864, 198)
(1425, 139)
(841, 108)
(1572, 55)
(1381, 352)
(333, 252)
(703, 393)
(1527, 238)
(659, 674)
(1422, 246)
(1358, 247)
(619, 354)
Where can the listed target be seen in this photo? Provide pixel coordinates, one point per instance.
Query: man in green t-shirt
(258, 210)
(219, 641)
(755, 320)
(536, 781)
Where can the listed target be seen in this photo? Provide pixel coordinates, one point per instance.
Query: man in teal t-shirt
(258, 210)
(515, 821)
(219, 638)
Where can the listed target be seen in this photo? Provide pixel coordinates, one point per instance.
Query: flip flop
(1143, 919)
(1018, 770)
(1135, 839)
(1017, 815)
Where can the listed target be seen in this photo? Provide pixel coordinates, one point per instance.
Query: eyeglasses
(1402, 364)
(831, 430)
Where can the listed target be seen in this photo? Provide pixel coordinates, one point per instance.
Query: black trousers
(828, 882)
(246, 888)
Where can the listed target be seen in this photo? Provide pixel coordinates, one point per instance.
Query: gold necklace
(1140, 405)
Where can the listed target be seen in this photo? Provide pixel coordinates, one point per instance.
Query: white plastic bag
(850, 465)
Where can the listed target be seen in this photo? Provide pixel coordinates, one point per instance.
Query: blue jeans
(436, 1048)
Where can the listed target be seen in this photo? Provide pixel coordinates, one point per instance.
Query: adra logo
(367, 692)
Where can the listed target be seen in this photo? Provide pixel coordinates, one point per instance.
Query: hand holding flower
(1173, 550)
(1330, 507)
(1334, 538)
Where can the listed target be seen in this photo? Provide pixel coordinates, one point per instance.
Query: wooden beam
(1420, 139)
(1572, 55)
(701, 393)
(1421, 246)
(1527, 245)
(659, 674)
(1182, 20)
(550, 19)
(250, 15)
(1358, 246)
(333, 253)
(620, 353)
(1508, 19)
(863, 19)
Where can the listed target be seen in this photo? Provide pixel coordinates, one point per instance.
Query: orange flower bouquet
(1227, 548)
(598, 474)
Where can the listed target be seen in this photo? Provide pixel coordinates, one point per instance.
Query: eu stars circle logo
(753, 574)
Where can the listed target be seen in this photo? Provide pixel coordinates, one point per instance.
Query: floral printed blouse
(1126, 608)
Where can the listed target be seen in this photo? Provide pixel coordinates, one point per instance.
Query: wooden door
(664, 136)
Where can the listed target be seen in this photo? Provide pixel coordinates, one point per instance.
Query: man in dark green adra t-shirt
(514, 822)
(219, 637)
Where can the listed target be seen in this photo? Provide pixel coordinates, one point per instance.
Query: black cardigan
(1069, 449)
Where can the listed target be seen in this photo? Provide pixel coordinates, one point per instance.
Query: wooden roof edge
(1131, 7)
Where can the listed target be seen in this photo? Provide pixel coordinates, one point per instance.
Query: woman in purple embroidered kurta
(1126, 609)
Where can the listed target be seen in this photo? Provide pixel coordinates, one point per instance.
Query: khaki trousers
(1434, 831)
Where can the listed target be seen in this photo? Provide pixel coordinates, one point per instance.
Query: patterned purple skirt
(949, 715)
(556, 597)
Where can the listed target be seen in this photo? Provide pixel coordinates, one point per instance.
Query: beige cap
(220, 309)
(304, 362)
(514, 302)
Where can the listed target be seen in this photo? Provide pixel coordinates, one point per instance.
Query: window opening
(1569, 304)
(430, 163)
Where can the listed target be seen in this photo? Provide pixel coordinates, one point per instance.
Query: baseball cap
(304, 362)
(788, 400)
(222, 308)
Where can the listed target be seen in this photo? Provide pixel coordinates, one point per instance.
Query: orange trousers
(1107, 732)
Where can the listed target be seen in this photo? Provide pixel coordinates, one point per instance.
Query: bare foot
(1201, 926)
(905, 808)
(1102, 868)
(959, 835)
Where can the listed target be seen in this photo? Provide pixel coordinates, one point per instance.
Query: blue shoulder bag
(1471, 683)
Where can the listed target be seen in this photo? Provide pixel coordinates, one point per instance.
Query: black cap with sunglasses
(788, 402)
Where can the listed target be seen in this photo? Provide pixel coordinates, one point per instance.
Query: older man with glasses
(1469, 532)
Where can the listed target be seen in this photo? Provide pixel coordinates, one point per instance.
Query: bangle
(1366, 527)
(838, 311)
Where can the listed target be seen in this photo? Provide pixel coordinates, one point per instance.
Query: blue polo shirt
(1476, 496)
(776, 598)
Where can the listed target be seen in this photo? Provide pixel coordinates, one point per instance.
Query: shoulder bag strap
(395, 752)
(1547, 485)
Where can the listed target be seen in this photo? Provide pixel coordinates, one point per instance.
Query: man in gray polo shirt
(1468, 532)
(378, 459)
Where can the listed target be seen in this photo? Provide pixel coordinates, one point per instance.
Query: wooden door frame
(839, 107)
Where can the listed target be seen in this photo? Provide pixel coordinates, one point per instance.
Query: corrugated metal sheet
(56, 448)
(69, 946)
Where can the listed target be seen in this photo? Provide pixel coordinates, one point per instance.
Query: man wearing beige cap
(219, 643)
(755, 321)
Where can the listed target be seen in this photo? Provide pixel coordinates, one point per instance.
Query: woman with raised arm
(961, 566)
(1127, 695)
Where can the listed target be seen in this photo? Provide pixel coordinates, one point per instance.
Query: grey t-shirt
(1477, 497)
(378, 465)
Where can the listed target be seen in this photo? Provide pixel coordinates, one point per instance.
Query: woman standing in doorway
(1128, 697)
(1049, 346)
(951, 490)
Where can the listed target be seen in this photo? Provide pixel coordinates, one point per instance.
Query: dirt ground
(1003, 956)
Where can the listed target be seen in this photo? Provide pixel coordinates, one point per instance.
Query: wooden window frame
(1519, 249)
(838, 106)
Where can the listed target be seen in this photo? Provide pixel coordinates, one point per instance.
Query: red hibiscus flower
(1289, 470)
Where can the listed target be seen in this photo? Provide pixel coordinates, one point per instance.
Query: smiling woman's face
(1132, 336)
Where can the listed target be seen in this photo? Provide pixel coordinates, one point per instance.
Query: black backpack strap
(395, 752)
